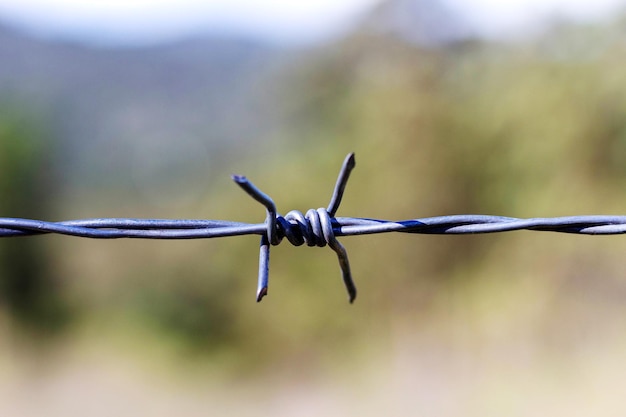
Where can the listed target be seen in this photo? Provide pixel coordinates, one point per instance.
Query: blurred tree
(28, 291)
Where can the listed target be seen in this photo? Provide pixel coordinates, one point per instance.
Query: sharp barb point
(262, 293)
(351, 160)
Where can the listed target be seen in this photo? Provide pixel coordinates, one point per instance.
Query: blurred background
(144, 109)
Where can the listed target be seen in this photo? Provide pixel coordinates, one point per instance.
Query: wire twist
(315, 228)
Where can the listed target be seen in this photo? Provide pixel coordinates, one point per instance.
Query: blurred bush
(29, 292)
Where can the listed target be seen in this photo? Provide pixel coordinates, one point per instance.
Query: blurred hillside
(106, 105)
(504, 324)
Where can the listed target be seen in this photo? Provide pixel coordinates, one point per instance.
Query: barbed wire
(315, 228)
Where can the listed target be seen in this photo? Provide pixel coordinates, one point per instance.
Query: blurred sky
(284, 21)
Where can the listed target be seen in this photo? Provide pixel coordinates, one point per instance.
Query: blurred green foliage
(29, 292)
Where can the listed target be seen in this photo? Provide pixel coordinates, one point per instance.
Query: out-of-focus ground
(454, 367)
(519, 324)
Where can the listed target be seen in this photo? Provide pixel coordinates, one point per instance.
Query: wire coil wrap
(300, 229)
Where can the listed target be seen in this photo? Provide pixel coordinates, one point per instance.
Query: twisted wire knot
(315, 228)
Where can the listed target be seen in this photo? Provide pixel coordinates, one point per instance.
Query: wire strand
(315, 228)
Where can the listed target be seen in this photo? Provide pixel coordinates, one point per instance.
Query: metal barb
(342, 255)
(348, 165)
(270, 237)
(264, 269)
(264, 199)
(326, 216)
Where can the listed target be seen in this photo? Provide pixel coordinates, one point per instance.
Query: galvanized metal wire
(317, 227)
